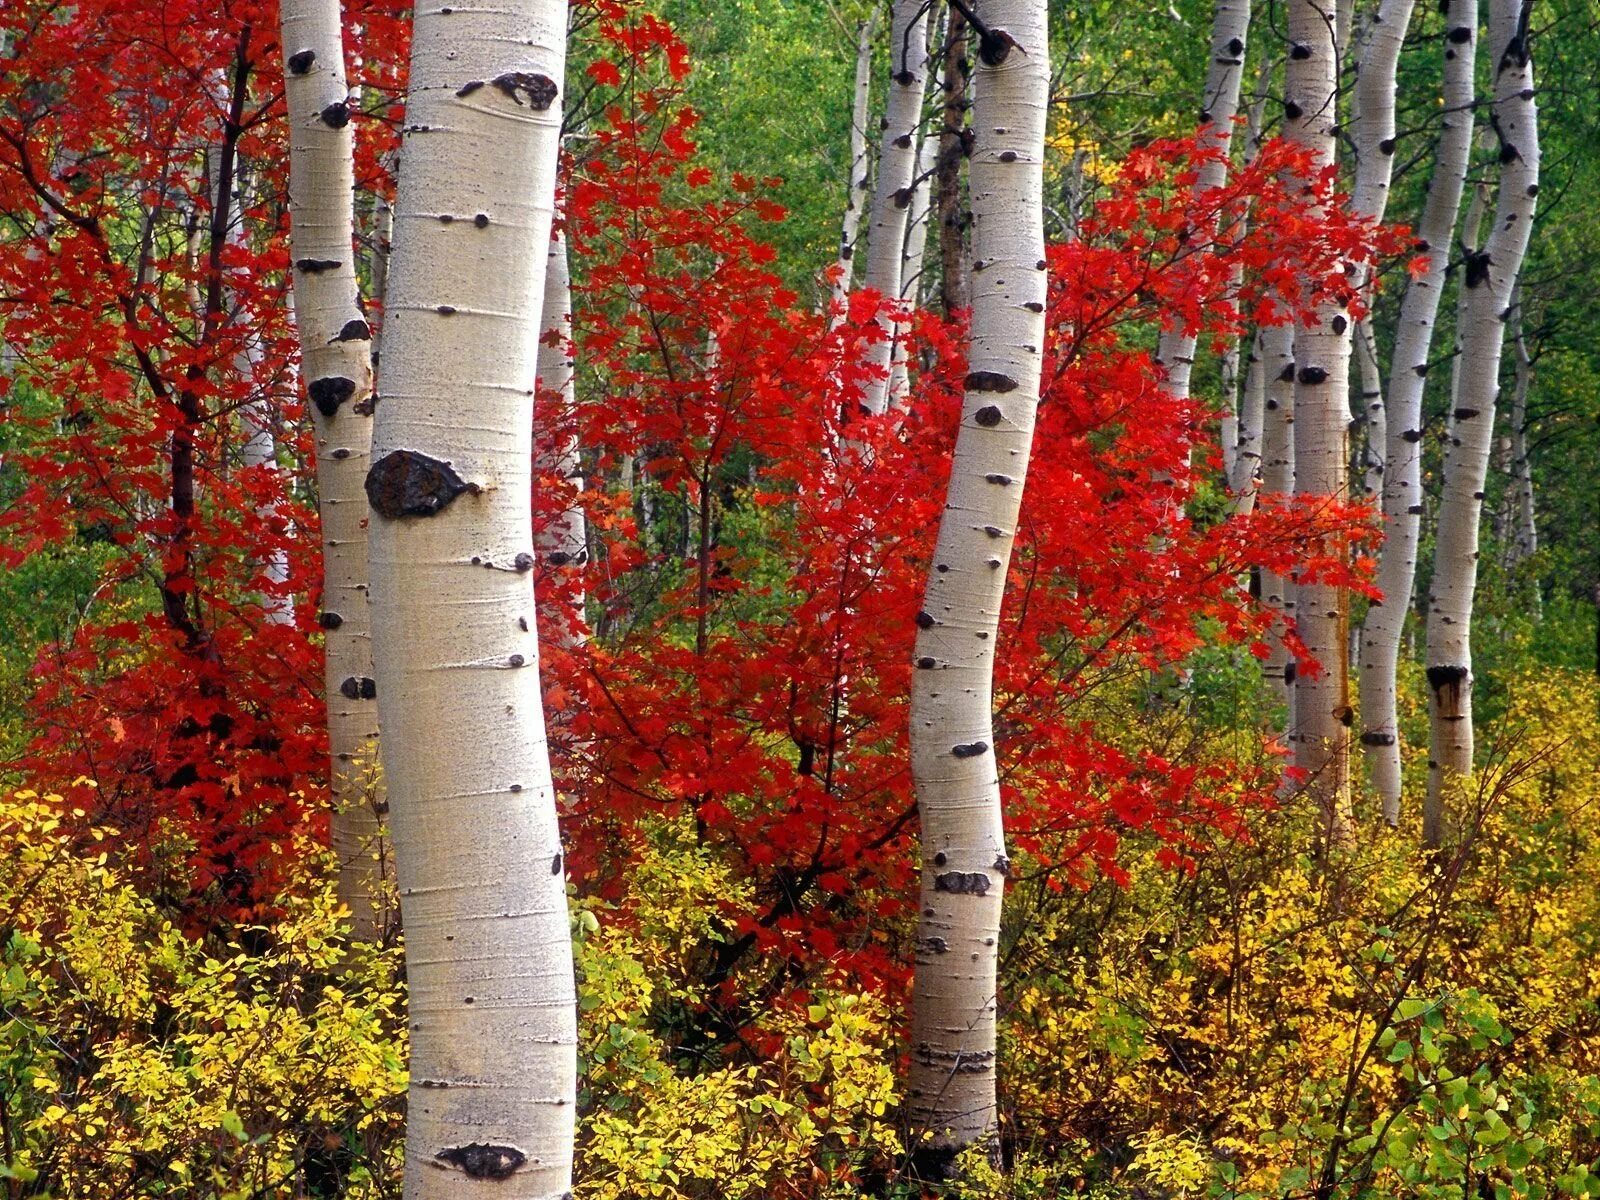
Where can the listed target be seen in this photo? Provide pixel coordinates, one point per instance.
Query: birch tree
(562, 542)
(477, 850)
(1488, 281)
(335, 352)
(1319, 735)
(1403, 425)
(1230, 24)
(951, 1092)
(954, 72)
(860, 181)
(891, 193)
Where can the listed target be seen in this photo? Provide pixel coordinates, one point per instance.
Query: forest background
(1199, 995)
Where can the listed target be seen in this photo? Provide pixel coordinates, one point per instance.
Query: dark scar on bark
(466, 89)
(330, 620)
(359, 689)
(540, 89)
(336, 115)
(478, 1160)
(355, 330)
(1313, 375)
(989, 416)
(962, 883)
(300, 61)
(969, 749)
(329, 392)
(555, 864)
(404, 483)
(990, 381)
(315, 266)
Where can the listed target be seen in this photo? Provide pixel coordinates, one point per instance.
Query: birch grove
(951, 1091)
(477, 851)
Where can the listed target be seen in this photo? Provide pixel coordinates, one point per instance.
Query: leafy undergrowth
(1257, 1026)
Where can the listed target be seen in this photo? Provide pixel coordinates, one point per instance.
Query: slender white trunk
(473, 813)
(860, 181)
(1372, 416)
(1277, 479)
(1408, 370)
(1489, 278)
(1320, 735)
(891, 195)
(1524, 533)
(1243, 481)
(562, 544)
(912, 261)
(951, 1091)
(1230, 24)
(336, 363)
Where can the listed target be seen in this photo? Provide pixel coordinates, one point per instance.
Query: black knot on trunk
(1509, 153)
(316, 266)
(1386, 146)
(1465, 414)
(404, 483)
(994, 531)
(1299, 52)
(466, 89)
(524, 561)
(555, 864)
(1313, 375)
(541, 90)
(1291, 110)
(1440, 678)
(1003, 865)
(1288, 673)
(927, 664)
(1345, 715)
(361, 688)
(1339, 324)
(1377, 739)
(336, 115)
(962, 883)
(1235, 46)
(354, 330)
(905, 78)
(330, 620)
(998, 480)
(990, 381)
(995, 45)
(903, 141)
(1460, 35)
(300, 61)
(970, 749)
(329, 392)
(988, 416)
(1287, 374)
(902, 197)
(935, 945)
(1477, 263)
(925, 620)
(478, 1160)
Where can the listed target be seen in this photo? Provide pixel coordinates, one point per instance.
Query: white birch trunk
(336, 363)
(951, 1091)
(563, 543)
(911, 263)
(1230, 24)
(1244, 481)
(1489, 278)
(1320, 735)
(1408, 369)
(1524, 536)
(1277, 479)
(891, 194)
(860, 168)
(473, 813)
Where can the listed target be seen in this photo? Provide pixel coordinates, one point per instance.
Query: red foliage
(755, 586)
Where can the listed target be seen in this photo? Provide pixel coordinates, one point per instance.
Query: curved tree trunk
(951, 1092)
(562, 543)
(473, 814)
(1320, 735)
(1489, 278)
(1408, 370)
(336, 363)
(860, 169)
(897, 168)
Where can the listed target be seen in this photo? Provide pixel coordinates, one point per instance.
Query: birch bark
(860, 182)
(1488, 280)
(954, 291)
(951, 1092)
(473, 820)
(336, 363)
(562, 543)
(1408, 371)
(891, 194)
(1319, 736)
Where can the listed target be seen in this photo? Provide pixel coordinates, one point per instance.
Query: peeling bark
(473, 813)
